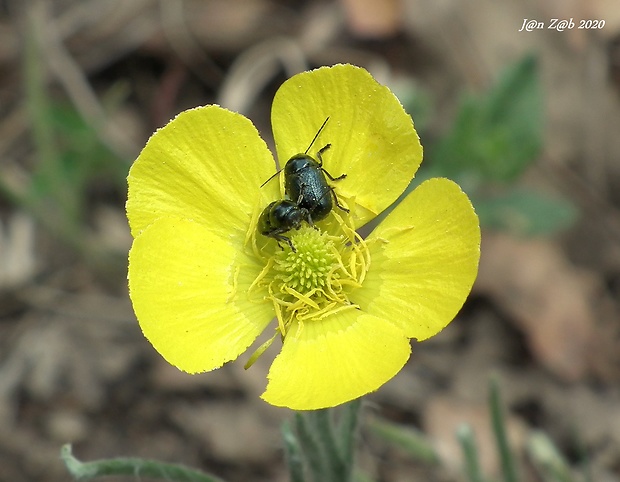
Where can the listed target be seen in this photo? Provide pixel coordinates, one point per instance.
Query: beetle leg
(336, 199)
(311, 223)
(319, 155)
(308, 216)
(279, 238)
(334, 178)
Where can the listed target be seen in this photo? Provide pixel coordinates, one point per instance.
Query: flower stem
(348, 430)
(327, 447)
(131, 466)
(323, 422)
(311, 448)
(293, 454)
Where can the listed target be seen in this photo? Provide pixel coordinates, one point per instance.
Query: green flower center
(313, 281)
(308, 268)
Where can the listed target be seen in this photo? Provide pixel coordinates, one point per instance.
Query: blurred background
(528, 122)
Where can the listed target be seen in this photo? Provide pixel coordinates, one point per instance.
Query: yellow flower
(204, 284)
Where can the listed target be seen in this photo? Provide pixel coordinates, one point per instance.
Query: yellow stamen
(235, 282)
(259, 351)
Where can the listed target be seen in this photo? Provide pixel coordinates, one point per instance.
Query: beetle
(304, 180)
(279, 217)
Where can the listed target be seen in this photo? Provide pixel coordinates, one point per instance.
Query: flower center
(313, 281)
(309, 267)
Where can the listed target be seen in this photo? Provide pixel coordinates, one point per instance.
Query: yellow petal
(328, 362)
(424, 260)
(188, 289)
(372, 138)
(207, 165)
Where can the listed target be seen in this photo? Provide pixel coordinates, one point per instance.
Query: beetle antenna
(306, 152)
(274, 175)
(317, 135)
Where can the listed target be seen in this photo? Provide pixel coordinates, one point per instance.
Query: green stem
(131, 466)
(327, 448)
(348, 430)
(293, 454)
(498, 421)
(467, 440)
(36, 96)
(333, 457)
(547, 458)
(311, 447)
(49, 197)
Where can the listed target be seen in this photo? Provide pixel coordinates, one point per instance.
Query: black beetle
(279, 217)
(304, 180)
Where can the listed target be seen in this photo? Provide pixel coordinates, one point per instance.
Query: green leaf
(466, 438)
(547, 459)
(524, 211)
(498, 422)
(407, 439)
(498, 134)
(133, 467)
